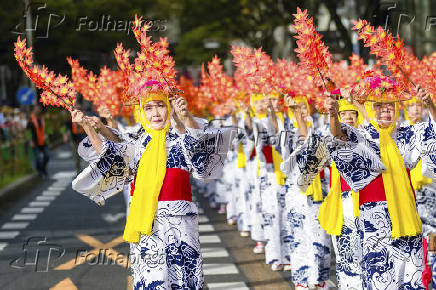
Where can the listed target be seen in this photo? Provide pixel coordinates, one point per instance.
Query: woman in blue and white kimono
(274, 211)
(376, 161)
(425, 188)
(339, 212)
(304, 156)
(162, 226)
(245, 176)
(257, 129)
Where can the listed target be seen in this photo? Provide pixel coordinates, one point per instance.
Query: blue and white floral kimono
(125, 130)
(274, 212)
(170, 257)
(387, 263)
(309, 244)
(263, 176)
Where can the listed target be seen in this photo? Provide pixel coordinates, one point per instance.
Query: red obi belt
(176, 186)
(267, 152)
(375, 191)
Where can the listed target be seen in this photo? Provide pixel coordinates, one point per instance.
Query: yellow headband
(275, 95)
(254, 98)
(344, 105)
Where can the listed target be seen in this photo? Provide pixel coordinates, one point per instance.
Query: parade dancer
(304, 156)
(163, 220)
(338, 215)
(257, 129)
(376, 161)
(274, 210)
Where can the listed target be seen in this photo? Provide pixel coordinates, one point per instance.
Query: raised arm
(181, 109)
(272, 117)
(296, 110)
(104, 112)
(79, 118)
(332, 106)
(424, 95)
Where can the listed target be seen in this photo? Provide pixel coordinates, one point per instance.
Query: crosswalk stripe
(2, 246)
(57, 188)
(9, 235)
(206, 228)
(210, 239)
(24, 217)
(214, 252)
(15, 226)
(203, 219)
(64, 175)
(45, 198)
(39, 203)
(227, 285)
(51, 193)
(32, 210)
(219, 269)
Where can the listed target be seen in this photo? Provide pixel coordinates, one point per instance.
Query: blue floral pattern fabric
(348, 249)
(388, 263)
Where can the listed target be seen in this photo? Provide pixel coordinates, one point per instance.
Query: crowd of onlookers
(20, 145)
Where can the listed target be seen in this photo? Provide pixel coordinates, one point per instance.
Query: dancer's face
(384, 113)
(276, 104)
(156, 112)
(414, 112)
(304, 111)
(260, 107)
(348, 117)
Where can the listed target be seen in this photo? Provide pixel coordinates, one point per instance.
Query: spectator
(36, 125)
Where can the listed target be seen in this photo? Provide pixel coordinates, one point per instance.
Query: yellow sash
(149, 179)
(399, 194)
(331, 214)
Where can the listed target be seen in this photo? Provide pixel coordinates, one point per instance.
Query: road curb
(19, 184)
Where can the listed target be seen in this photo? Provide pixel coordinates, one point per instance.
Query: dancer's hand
(181, 108)
(331, 104)
(78, 117)
(423, 95)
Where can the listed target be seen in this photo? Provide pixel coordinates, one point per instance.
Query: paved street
(79, 244)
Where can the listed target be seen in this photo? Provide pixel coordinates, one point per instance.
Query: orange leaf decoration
(57, 89)
(152, 69)
(313, 54)
(389, 51)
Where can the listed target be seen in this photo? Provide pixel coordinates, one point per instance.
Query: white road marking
(64, 175)
(214, 252)
(64, 155)
(210, 239)
(32, 210)
(51, 193)
(15, 226)
(219, 269)
(57, 188)
(39, 203)
(228, 285)
(206, 228)
(8, 235)
(45, 198)
(203, 219)
(24, 217)
(2, 246)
